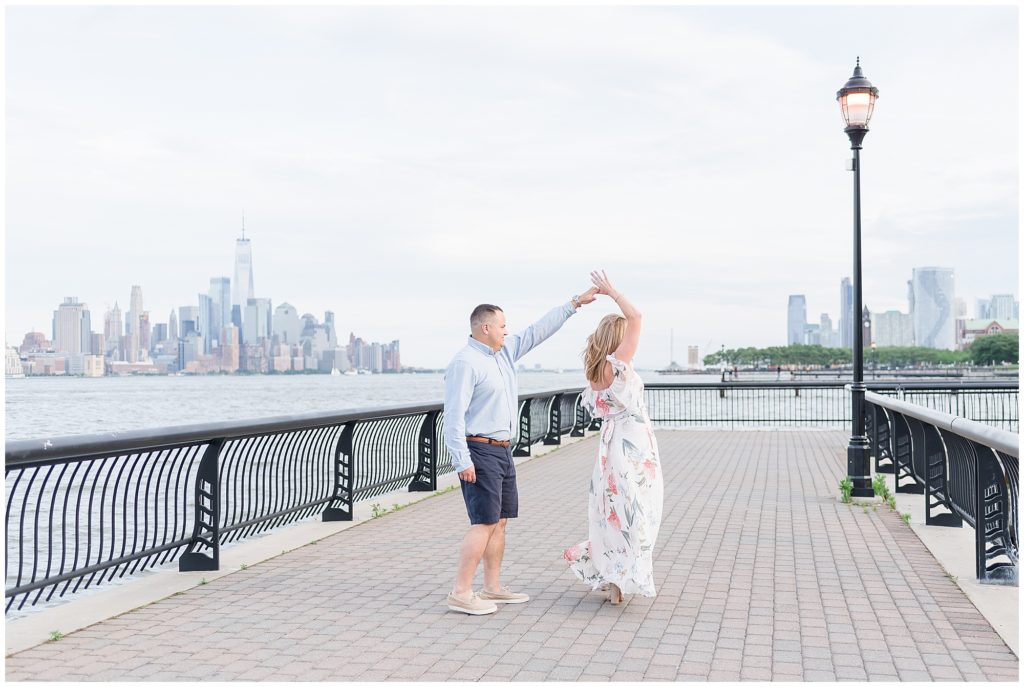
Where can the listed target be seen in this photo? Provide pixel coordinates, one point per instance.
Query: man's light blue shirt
(481, 393)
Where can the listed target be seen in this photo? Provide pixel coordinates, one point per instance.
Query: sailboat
(335, 372)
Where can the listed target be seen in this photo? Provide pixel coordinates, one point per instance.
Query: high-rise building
(797, 320)
(242, 288)
(981, 309)
(1001, 307)
(934, 319)
(144, 333)
(220, 307)
(332, 335)
(894, 328)
(113, 332)
(826, 334)
(393, 357)
(376, 357)
(229, 349)
(204, 321)
(159, 333)
(71, 327)
(188, 320)
(846, 317)
(692, 357)
(257, 321)
(99, 344)
(132, 325)
(960, 308)
(287, 326)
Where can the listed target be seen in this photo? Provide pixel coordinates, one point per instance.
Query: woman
(626, 486)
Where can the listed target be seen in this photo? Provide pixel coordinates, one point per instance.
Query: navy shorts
(494, 494)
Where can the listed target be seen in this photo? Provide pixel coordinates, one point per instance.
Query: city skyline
(217, 334)
(454, 166)
(799, 326)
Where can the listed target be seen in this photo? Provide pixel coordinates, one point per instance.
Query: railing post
(871, 425)
(882, 441)
(428, 448)
(902, 459)
(206, 531)
(936, 485)
(340, 507)
(554, 435)
(991, 521)
(579, 428)
(523, 445)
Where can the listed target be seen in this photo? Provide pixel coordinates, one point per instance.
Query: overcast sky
(400, 165)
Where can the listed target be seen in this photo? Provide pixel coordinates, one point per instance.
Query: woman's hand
(604, 286)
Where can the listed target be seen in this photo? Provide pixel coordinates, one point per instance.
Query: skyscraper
(332, 335)
(144, 333)
(825, 333)
(1001, 307)
(203, 321)
(893, 328)
(220, 307)
(187, 321)
(797, 320)
(71, 330)
(934, 319)
(172, 328)
(242, 289)
(132, 325)
(287, 326)
(846, 317)
(113, 332)
(257, 321)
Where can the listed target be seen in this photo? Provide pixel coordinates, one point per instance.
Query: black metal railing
(994, 403)
(817, 404)
(84, 510)
(967, 471)
(748, 404)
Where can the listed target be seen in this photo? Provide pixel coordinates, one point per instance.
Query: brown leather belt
(488, 440)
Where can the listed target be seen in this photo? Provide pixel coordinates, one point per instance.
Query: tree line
(992, 349)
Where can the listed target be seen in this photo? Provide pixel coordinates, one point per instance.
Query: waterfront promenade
(762, 573)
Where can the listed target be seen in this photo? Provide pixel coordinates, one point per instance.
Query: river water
(39, 407)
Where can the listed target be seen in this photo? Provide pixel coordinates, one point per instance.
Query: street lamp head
(857, 102)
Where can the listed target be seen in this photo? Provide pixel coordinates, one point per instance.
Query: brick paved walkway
(762, 575)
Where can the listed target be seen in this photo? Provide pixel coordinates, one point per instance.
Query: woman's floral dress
(626, 490)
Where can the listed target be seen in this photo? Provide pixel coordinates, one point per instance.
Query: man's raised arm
(522, 343)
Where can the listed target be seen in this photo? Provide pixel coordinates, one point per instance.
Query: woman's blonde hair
(605, 339)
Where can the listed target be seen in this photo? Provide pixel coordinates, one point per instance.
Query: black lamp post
(857, 100)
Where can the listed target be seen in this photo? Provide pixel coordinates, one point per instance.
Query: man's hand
(588, 296)
(468, 475)
(603, 285)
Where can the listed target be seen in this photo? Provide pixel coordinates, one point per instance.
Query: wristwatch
(576, 302)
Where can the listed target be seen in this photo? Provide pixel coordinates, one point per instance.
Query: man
(481, 408)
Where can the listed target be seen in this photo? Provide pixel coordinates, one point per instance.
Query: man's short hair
(482, 312)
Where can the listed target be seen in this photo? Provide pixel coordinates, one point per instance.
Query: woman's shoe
(614, 594)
